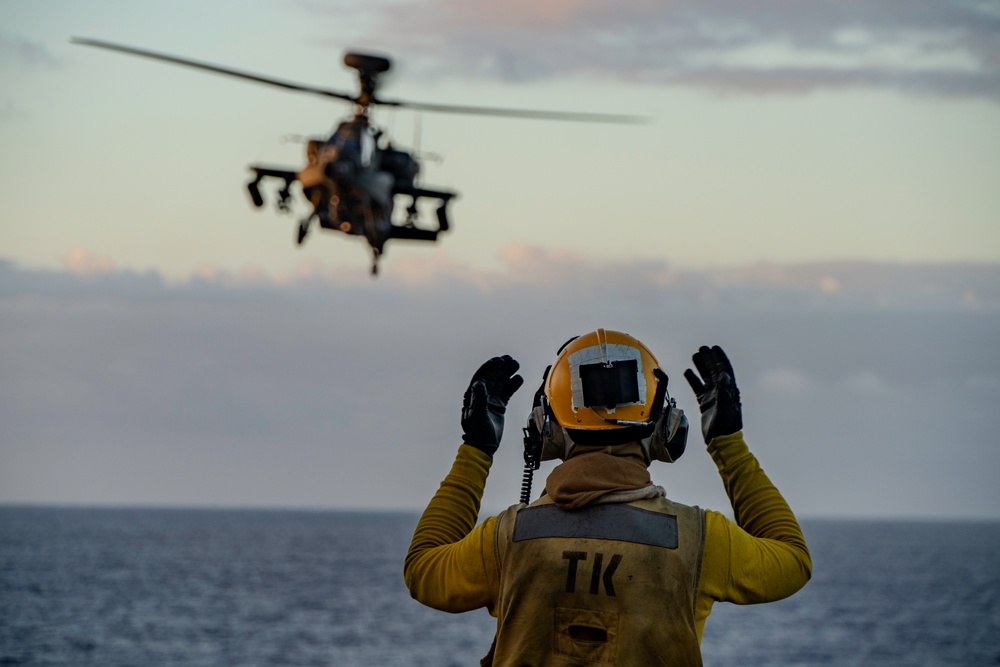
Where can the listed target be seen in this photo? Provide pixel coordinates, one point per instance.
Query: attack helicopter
(352, 177)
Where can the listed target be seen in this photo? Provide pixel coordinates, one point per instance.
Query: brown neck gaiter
(592, 471)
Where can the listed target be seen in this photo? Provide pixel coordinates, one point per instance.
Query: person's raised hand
(485, 403)
(716, 391)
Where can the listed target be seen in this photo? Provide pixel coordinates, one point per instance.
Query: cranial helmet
(606, 388)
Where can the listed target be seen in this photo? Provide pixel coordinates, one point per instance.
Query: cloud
(867, 383)
(551, 272)
(314, 388)
(82, 263)
(986, 383)
(23, 53)
(947, 49)
(8, 110)
(554, 270)
(19, 53)
(785, 381)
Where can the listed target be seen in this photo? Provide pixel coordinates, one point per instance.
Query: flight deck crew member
(603, 568)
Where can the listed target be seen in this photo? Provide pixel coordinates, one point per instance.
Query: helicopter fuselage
(351, 182)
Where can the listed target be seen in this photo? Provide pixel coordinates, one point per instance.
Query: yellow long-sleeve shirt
(760, 557)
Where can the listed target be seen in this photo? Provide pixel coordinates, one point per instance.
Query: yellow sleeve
(762, 556)
(449, 565)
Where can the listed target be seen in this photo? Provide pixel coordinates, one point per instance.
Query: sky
(815, 190)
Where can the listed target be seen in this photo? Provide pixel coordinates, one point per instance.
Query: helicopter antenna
(417, 131)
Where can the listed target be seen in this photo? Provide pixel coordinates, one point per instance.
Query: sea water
(123, 587)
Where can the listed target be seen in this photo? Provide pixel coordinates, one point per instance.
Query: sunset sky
(816, 191)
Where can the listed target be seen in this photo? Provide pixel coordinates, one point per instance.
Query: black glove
(718, 397)
(485, 403)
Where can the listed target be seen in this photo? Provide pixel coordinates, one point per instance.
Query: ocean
(214, 588)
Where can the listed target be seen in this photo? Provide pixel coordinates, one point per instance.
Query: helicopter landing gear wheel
(376, 238)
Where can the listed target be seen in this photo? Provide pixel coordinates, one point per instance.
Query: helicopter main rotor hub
(368, 67)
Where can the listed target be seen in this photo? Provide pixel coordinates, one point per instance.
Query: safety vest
(610, 584)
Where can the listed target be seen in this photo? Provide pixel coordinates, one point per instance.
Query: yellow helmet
(603, 381)
(605, 388)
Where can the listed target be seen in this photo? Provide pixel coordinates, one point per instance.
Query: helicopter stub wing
(274, 172)
(253, 187)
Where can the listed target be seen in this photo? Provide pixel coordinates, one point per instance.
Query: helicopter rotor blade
(288, 85)
(518, 113)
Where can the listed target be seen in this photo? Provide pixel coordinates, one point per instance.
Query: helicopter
(352, 177)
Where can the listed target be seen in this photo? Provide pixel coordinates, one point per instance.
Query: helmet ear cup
(669, 439)
(543, 434)
(555, 443)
